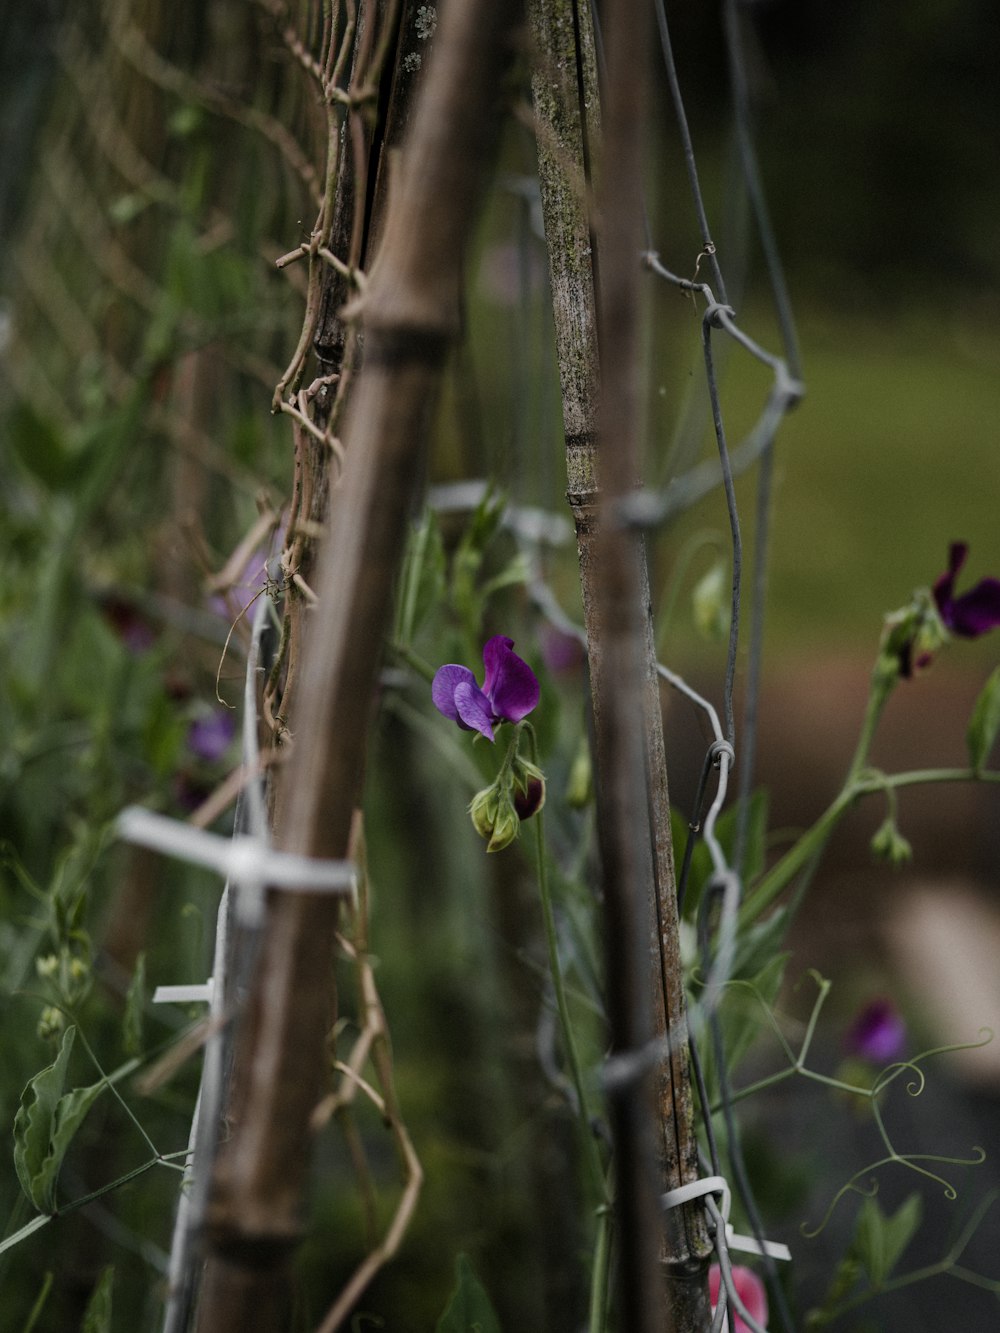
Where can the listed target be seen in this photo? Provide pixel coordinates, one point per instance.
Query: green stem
(882, 686)
(600, 1273)
(813, 840)
(594, 1165)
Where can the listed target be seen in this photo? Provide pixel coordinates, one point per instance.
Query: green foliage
(876, 1247)
(880, 1240)
(469, 558)
(97, 1316)
(700, 873)
(468, 1309)
(135, 1002)
(422, 583)
(711, 603)
(985, 722)
(45, 1126)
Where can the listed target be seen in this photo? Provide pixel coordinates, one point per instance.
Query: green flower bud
(483, 811)
(505, 830)
(888, 844)
(494, 817)
(579, 787)
(711, 603)
(910, 637)
(47, 967)
(50, 1023)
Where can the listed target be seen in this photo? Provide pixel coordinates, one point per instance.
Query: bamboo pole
(603, 463)
(409, 316)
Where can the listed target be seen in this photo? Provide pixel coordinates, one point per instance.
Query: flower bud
(711, 603)
(494, 817)
(529, 788)
(50, 1023)
(505, 830)
(579, 785)
(888, 844)
(910, 638)
(483, 811)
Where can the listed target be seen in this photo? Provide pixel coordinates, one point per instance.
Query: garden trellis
(156, 266)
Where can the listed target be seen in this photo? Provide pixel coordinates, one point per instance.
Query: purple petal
(878, 1033)
(944, 587)
(493, 652)
(446, 681)
(510, 683)
(473, 708)
(976, 611)
(209, 737)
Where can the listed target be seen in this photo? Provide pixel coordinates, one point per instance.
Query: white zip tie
(248, 861)
(194, 994)
(718, 1185)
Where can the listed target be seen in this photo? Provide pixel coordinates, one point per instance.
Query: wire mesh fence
(199, 247)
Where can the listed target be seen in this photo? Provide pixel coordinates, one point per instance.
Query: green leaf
(985, 722)
(469, 1309)
(516, 572)
(97, 1316)
(758, 945)
(33, 1124)
(40, 448)
(46, 1124)
(879, 1240)
(22, 1233)
(135, 1002)
(423, 583)
(40, 1300)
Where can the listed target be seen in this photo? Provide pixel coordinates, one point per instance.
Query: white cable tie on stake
(748, 1245)
(697, 1189)
(194, 994)
(246, 860)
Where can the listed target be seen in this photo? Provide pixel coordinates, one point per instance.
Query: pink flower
(750, 1290)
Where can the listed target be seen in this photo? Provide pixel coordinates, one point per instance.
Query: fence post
(600, 418)
(409, 316)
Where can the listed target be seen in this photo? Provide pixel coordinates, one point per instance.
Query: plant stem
(597, 1320)
(595, 1167)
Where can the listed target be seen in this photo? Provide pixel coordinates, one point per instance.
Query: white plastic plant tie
(748, 1245)
(243, 859)
(196, 994)
(697, 1189)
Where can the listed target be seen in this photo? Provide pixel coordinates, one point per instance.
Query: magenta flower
(750, 1290)
(973, 613)
(509, 693)
(878, 1033)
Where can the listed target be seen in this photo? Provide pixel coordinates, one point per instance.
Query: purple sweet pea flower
(976, 611)
(878, 1033)
(209, 736)
(509, 693)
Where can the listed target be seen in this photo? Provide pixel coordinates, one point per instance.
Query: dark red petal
(975, 612)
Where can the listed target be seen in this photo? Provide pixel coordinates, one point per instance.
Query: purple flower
(562, 652)
(209, 736)
(878, 1033)
(976, 611)
(509, 693)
